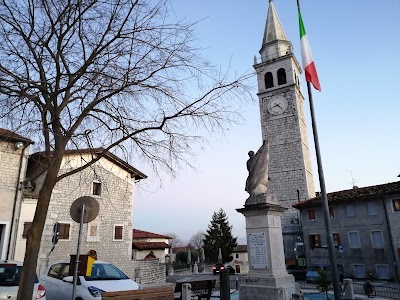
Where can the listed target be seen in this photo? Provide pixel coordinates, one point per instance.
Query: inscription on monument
(258, 250)
(277, 250)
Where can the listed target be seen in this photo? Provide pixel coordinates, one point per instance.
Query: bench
(200, 288)
(162, 293)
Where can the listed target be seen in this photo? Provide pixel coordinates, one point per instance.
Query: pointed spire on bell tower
(275, 44)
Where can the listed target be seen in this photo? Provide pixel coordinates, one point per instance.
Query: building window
(377, 239)
(331, 212)
(311, 215)
(336, 239)
(350, 211)
(93, 232)
(64, 231)
(354, 240)
(65, 271)
(396, 204)
(281, 76)
(372, 208)
(118, 232)
(237, 255)
(269, 80)
(382, 272)
(54, 270)
(315, 240)
(27, 226)
(96, 188)
(359, 271)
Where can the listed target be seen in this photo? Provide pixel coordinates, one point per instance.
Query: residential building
(148, 245)
(365, 226)
(110, 181)
(240, 260)
(14, 153)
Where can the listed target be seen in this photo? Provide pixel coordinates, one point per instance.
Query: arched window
(269, 80)
(281, 76)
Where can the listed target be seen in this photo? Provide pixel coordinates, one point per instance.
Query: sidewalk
(356, 296)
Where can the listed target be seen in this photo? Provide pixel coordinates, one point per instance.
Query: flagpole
(324, 198)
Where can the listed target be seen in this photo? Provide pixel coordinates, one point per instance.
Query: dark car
(218, 267)
(299, 272)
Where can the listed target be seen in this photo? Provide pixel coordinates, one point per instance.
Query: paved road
(307, 287)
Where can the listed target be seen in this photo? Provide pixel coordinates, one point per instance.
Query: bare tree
(114, 74)
(197, 240)
(175, 240)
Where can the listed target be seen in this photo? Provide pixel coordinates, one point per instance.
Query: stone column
(186, 291)
(267, 278)
(348, 289)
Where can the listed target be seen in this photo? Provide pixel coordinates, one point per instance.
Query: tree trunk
(34, 235)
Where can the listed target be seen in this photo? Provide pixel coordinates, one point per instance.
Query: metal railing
(381, 290)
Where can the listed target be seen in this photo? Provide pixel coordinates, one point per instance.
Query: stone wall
(290, 166)
(10, 194)
(148, 271)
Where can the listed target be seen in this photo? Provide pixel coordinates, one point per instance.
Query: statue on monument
(257, 165)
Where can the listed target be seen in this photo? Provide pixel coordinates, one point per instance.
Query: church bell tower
(283, 124)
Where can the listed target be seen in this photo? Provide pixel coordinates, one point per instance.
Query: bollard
(170, 270)
(348, 289)
(297, 296)
(224, 285)
(186, 291)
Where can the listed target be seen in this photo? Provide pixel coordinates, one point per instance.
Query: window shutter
(118, 232)
(331, 212)
(311, 214)
(64, 231)
(336, 239)
(27, 226)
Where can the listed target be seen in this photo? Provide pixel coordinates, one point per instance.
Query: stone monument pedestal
(267, 278)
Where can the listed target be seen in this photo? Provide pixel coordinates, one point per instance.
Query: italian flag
(306, 57)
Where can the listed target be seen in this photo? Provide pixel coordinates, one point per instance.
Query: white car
(10, 273)
(105, 277)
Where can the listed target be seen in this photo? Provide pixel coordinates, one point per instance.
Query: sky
(355, 45)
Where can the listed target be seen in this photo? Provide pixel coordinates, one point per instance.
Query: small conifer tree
(219, 236)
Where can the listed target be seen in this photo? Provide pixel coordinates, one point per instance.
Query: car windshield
(314, 268)
(10, 275)
(105, 272)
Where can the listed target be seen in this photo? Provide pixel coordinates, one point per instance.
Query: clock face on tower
(277, 105)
